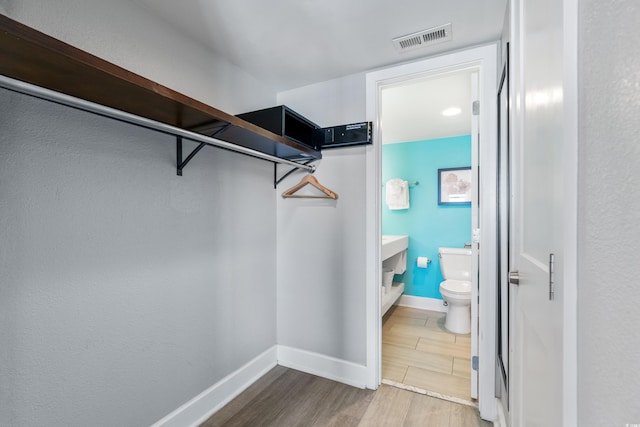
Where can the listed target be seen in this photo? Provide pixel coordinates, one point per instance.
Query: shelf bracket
(277, 180)
(180, 164)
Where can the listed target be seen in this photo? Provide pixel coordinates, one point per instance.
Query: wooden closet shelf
(36, 58)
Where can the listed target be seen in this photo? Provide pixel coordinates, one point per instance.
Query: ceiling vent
(423, 38)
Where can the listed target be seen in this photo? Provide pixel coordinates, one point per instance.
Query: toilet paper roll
(423, 262)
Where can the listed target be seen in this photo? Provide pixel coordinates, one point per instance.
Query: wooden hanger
(309, 179)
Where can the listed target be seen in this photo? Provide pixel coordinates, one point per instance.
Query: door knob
(514, 277)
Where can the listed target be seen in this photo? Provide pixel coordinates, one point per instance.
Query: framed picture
(454, 186)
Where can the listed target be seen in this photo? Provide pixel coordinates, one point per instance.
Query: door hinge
(476, 108)
(552, 276)
(474, 363)
(475, 235)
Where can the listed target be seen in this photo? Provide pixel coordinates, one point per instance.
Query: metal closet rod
(92, 107)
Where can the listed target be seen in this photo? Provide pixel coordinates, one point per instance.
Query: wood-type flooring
(285, 397)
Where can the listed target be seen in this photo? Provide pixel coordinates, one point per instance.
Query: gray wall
(609, 206)
(125, 290)
(129, 35)
(321, 245)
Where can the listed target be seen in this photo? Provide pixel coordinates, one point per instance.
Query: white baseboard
(200, 408)
(323, 366)
(424, 303)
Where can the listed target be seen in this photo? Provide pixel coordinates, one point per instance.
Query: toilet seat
(456, 287)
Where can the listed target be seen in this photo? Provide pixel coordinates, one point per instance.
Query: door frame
(484, 58)
(503, 313)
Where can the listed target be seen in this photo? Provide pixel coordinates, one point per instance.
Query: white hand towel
(397, 194)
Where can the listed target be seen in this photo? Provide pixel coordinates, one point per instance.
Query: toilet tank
(455, 263)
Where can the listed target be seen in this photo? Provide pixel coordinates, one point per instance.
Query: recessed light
(453, 111)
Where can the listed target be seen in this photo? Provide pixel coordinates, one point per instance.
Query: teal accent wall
(428, 225)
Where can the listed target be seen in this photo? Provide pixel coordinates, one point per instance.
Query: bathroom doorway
(426, 127)
(482, 61)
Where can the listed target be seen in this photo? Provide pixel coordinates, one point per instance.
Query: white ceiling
(292, 43)
(413, 111)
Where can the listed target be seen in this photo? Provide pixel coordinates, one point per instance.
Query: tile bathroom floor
(417, 351)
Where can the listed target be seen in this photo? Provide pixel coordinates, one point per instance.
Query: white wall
(321, 245)
(609, 202)
(124, 289)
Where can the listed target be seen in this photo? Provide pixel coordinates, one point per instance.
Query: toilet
(455, 265)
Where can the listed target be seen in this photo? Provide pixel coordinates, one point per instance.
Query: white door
(536, 214)
(475, 225)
